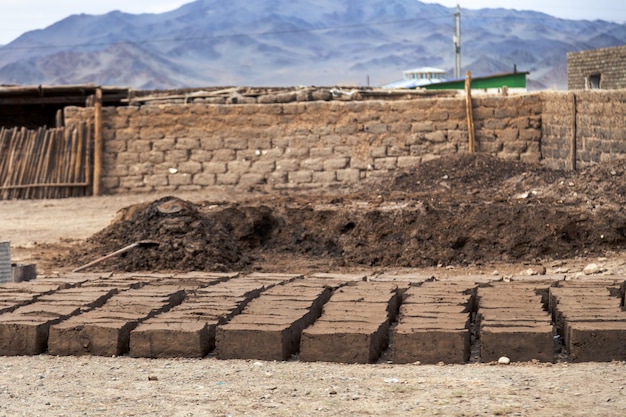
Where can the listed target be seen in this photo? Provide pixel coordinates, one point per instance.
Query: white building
(418, 77)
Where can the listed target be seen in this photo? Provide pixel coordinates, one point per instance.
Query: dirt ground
(459, 215)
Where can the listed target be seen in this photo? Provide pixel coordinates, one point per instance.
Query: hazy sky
(19, 16)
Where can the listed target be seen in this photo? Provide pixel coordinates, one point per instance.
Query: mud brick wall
(609, 63)
(599, 132)
(176, 147)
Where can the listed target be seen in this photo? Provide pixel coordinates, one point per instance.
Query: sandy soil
(95, 386)
(48, 232)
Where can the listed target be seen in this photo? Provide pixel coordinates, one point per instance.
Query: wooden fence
(45, 163)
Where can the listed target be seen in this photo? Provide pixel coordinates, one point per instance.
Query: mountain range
(296, 42)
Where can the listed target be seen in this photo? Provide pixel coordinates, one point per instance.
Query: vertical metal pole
(457, 42)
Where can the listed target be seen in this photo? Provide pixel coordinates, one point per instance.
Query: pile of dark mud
(458, 210)
(184, 240)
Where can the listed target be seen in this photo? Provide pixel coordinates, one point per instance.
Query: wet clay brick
(346, 342)
(431, 345)
(518, 343)
(103, 337)
(105, 331)
(354, 325)
(25, 331)
(23, 335)
(597, 341)
(163, 340)
(189, 329)
(271, 332)
(255, 341)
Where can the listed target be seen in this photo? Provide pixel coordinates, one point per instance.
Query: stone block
(156, 180)
(151, 133)
(211, 143)
(349, 176)
(312, 164)
(187, 143)
(132, 182)
(252, 179)
(214, 167)
(238, 167)
(204, 179)
(408, 162)
(164, 144)
(316, 152)
(227, 179)
(334, 164)
(376, 128)
(223, 155)
(262, 167)
(288, 165)
(201, 155)
(190, 167)
(176, 155)
(324, 177)
(235, 143)
(385, 163)
(127, 158)
(179, 179)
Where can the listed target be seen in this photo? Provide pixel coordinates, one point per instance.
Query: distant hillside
(296, 42)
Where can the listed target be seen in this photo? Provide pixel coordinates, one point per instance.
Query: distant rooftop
(418, 77)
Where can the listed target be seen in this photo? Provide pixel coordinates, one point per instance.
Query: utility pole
(457, 42)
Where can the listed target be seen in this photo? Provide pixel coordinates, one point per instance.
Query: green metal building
(514, 81)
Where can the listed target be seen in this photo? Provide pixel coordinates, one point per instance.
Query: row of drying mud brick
(323, 317)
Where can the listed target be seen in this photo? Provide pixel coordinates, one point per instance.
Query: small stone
(535, 270)
(503, 360)
(591, 269)
(153, 378)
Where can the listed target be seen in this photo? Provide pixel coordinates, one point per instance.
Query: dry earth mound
(457, 210)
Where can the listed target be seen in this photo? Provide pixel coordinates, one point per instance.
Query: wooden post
(469, 111)
(97, 152)
(572, 145)
(59, 118)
